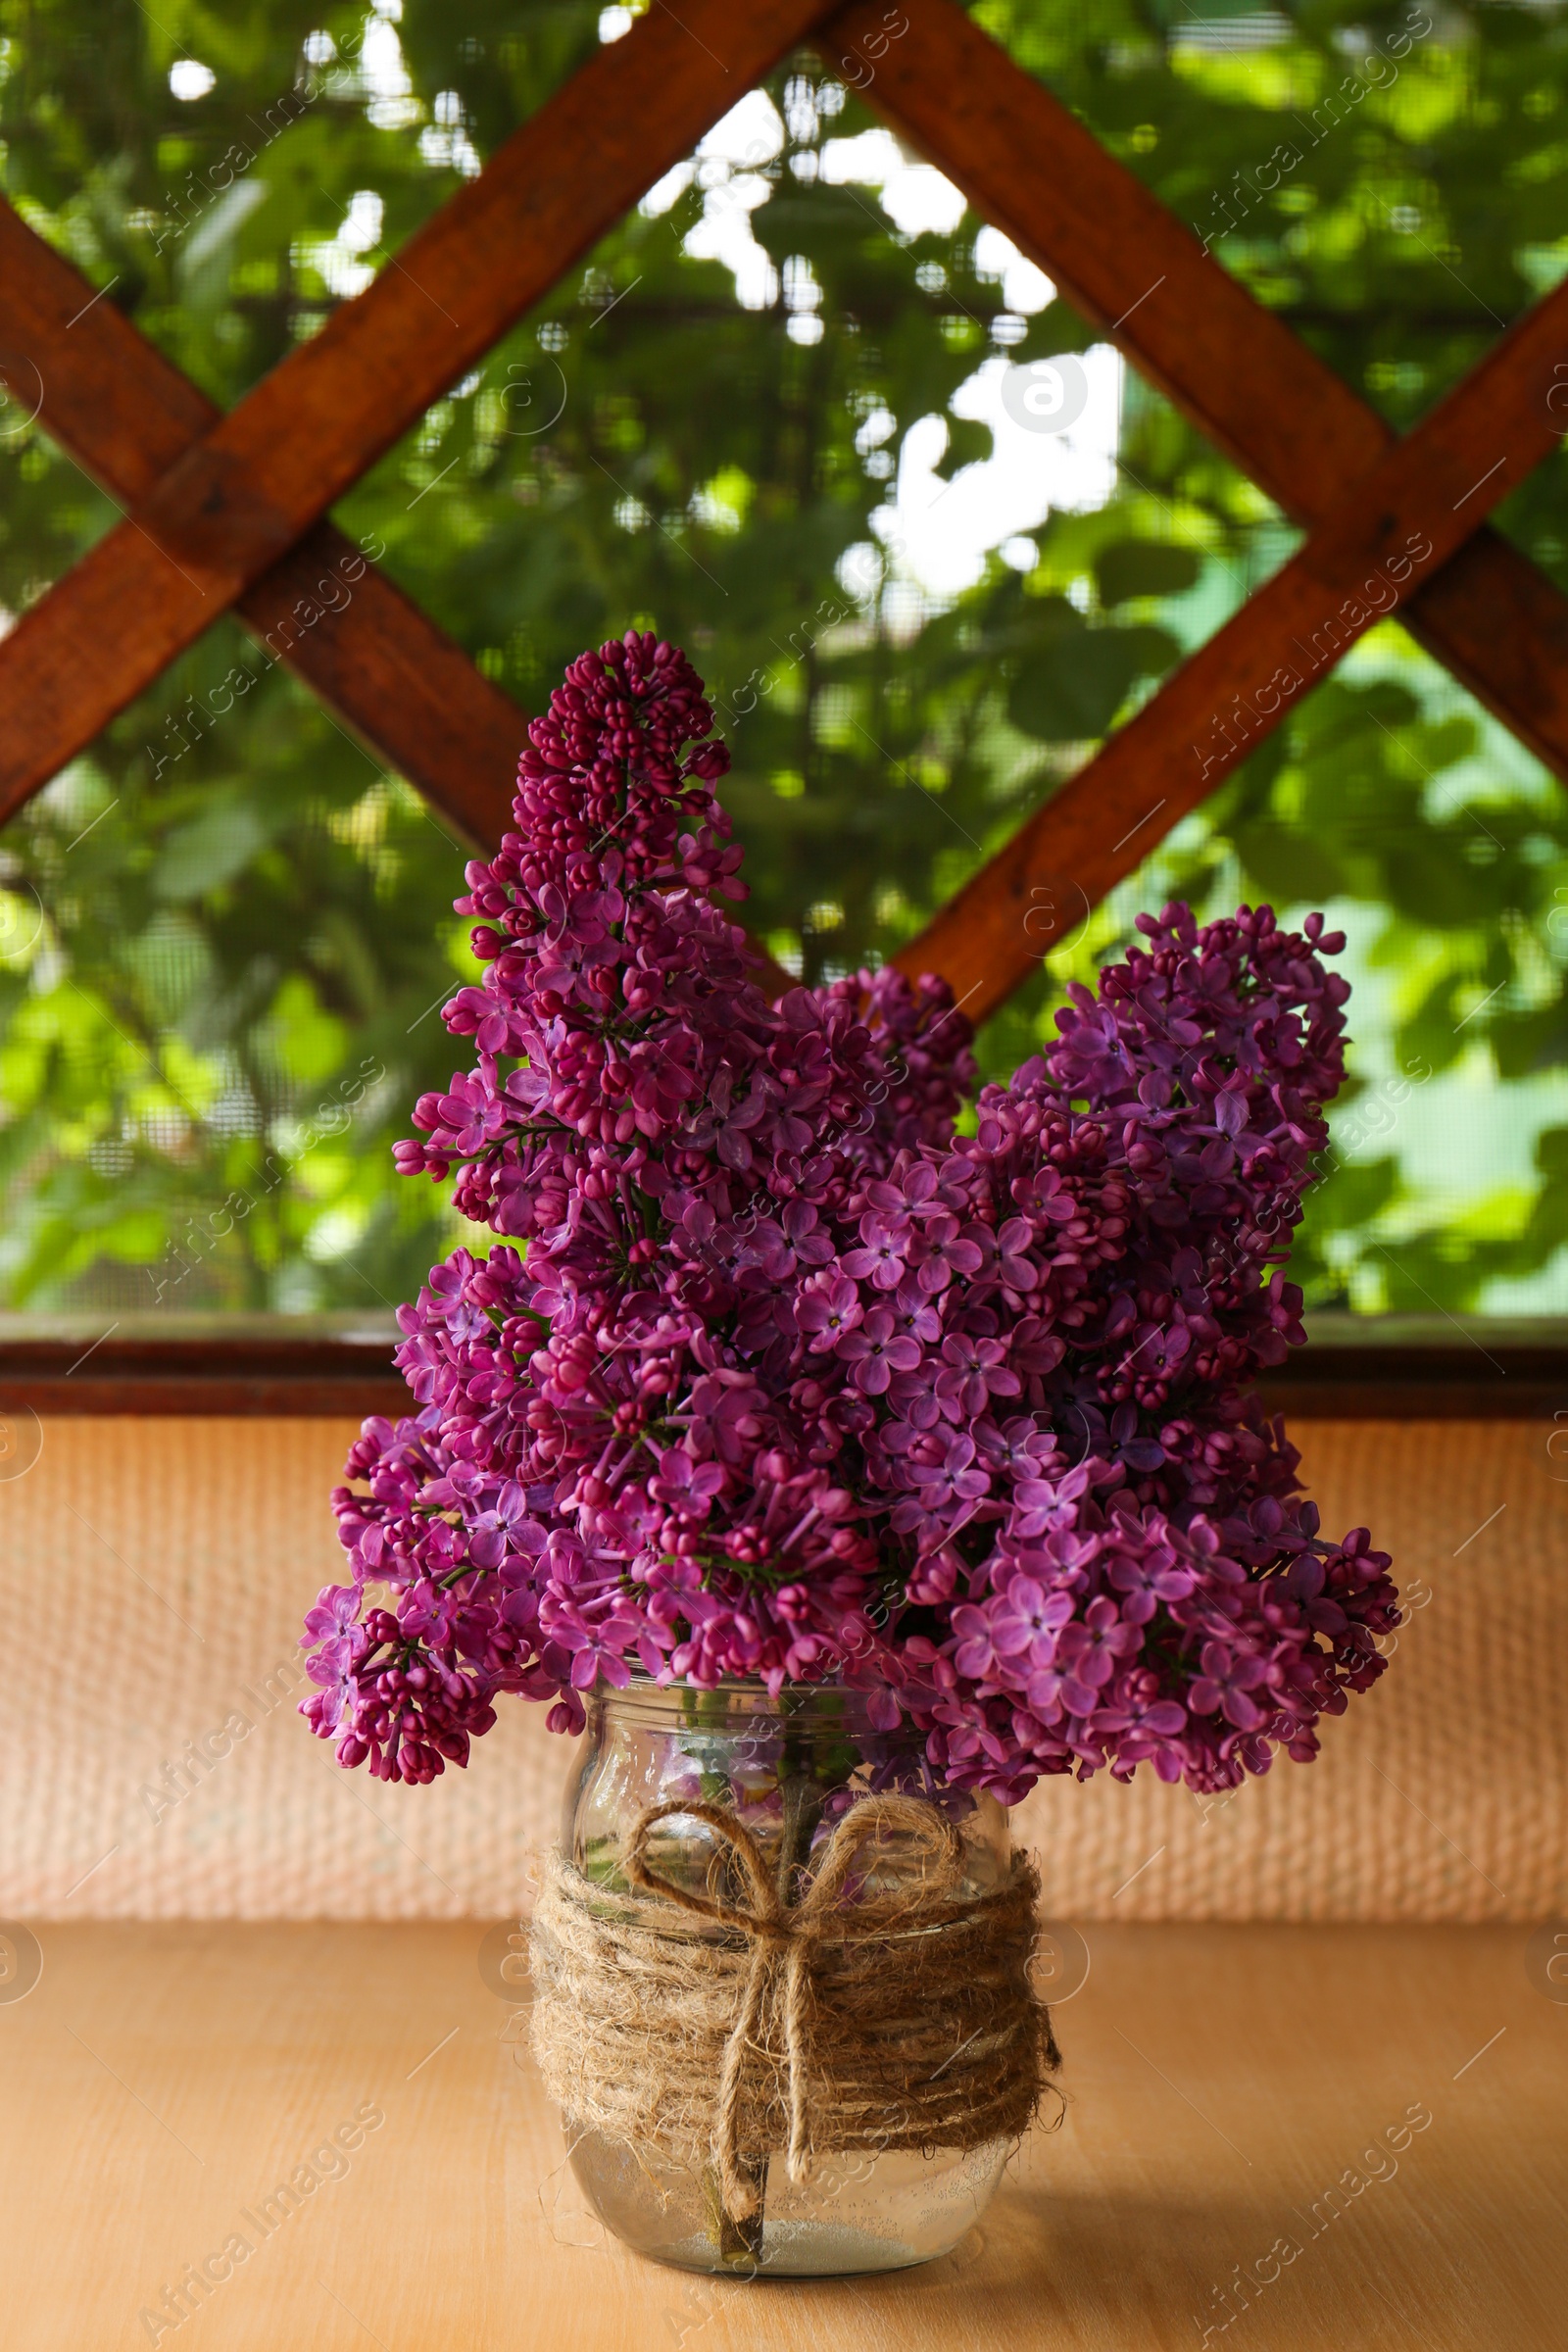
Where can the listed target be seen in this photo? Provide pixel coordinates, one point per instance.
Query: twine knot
(784, 1939)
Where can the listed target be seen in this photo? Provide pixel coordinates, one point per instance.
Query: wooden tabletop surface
(157, 2082)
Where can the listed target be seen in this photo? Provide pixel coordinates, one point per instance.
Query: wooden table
(160, 2082)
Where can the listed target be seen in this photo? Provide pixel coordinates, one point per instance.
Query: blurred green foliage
(223, 933)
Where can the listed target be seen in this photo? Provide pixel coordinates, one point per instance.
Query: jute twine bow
(844, 2021)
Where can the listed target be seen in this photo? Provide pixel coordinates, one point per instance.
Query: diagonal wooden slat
(1234, 368)
(234, 504)
(1392, 527)
(125, 415)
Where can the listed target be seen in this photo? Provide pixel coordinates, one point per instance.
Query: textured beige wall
(153, 1573)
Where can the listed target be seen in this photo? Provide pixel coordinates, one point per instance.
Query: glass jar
(789, 1771)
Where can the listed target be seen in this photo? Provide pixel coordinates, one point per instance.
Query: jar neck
(787, 1768)
(809, 1711)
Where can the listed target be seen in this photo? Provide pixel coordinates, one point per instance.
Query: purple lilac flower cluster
(774, 1374)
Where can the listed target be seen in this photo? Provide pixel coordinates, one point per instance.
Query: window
(930, 537)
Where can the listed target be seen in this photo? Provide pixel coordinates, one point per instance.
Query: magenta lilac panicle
(773, 1374)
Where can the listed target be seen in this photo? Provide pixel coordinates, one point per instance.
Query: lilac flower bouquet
(775, 1373)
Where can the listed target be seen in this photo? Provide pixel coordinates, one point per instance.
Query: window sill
(1388, 1368)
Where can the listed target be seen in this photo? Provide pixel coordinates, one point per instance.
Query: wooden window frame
(1387, 1368)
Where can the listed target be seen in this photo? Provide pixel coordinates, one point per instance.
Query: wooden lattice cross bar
(228, 511)
(125, 415)
(240, 496)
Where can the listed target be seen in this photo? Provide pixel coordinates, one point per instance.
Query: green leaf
(1354, 1194)
(212, 850)
(969, 442)
(1145, 567)
(1077, 679)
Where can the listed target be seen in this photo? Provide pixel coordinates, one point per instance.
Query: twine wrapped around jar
(856, 2020)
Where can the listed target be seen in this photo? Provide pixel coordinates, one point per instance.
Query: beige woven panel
(153, 1573)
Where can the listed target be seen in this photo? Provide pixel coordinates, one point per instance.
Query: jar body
(790, 1771)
